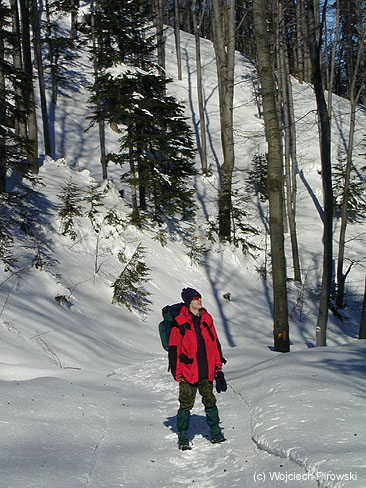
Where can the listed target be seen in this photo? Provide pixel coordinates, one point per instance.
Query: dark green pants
(187, 396)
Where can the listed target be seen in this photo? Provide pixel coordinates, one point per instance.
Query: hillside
(86, 398)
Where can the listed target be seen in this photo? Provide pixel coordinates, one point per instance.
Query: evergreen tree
(71, 208)
(356, 202)
(120, 34)
(128, 289)
(257, 176)
(124, 34)
(157, 142)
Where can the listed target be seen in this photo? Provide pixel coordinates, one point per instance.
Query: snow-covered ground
(86, 399)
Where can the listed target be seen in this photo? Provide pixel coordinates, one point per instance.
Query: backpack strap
(209, 330)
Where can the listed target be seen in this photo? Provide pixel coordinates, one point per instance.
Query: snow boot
(218, 438)
(183, 418)
(213, 420)
(184, 445)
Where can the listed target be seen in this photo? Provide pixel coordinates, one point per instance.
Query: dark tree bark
(32, 139)
(101, 124)
(20, 123)
(332, 62)
(158, 4)
(177, 38)
(362, 333)
(275, 179)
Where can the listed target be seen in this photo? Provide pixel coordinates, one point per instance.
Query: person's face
(196, 304)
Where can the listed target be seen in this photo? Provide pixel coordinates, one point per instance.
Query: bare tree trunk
(177, 38)
(3, 163)
(300, 40)
(52, 58)
(74, 17)
(32, 141)
(20, 124)
(362, 332)
(290, 144)
(203, 141)
(362, 68)
(101, 125)
(306, 34)
(160, 35)
(314, 47)
(224, 43)
(332, 62)
(135, 217)
(42, 88)
(354, 98)
(275, 179)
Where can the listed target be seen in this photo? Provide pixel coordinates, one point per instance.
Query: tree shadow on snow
(198, 426)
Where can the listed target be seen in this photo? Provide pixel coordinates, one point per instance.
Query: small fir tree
(128, 289)
(71, 197)
(356, 205)
(257, 176)
(242, 230)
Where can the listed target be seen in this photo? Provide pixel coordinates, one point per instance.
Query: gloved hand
(220, 382)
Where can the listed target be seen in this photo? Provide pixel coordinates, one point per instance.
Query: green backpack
(169, 313)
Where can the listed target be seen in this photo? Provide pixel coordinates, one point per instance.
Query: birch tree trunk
(135, 217)
(324, 135)
(224, 43)
(275, 179)
(203, 141)
(42, 88)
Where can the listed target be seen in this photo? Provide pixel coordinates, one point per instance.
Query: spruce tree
(124, 33)
(128, 289)
(157, 141)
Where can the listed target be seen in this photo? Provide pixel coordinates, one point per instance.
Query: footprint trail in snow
(234, 463)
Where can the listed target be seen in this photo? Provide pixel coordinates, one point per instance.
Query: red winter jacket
(183, 347)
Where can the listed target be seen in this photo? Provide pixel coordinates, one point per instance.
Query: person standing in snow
(195, 360)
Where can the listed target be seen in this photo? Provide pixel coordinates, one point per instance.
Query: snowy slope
(86, 398)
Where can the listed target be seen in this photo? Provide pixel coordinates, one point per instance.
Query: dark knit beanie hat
(188, 294)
